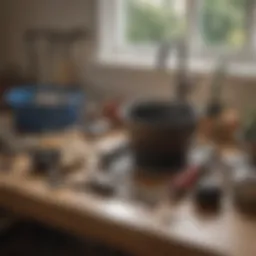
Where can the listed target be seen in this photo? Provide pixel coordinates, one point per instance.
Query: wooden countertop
(128, 226)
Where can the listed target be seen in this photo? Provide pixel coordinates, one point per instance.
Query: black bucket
(160, 134)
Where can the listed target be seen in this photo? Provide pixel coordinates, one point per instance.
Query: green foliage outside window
(148, 23)
(221, 22)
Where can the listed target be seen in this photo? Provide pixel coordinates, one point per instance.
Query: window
(212, 27)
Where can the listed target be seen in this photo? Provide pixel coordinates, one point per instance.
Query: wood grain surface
(170, 230)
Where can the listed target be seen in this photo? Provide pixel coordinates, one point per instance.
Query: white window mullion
(106, 31)
(194, 37)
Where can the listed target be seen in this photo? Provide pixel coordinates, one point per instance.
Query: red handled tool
(185, 181)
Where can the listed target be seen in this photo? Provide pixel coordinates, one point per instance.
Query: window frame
(111, 45)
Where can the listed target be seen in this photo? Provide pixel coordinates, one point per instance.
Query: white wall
(20, 15)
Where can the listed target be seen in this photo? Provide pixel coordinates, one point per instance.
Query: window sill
(243, 69)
